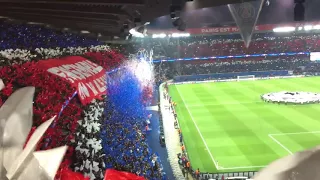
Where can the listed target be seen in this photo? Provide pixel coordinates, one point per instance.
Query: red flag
(112, 174)
(88, 77)
(67, 174)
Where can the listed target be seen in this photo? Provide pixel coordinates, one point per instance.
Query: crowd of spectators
(225, 45)
(89, 156)
(243, 65)
(50, 94)
(78, 126)
(206, 46)
(312, 68)
(126, 128)
(15, 35)
(167, 70)
(126, 145)
(109, 60)
(123, 137)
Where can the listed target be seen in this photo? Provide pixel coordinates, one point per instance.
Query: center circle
(289, 97)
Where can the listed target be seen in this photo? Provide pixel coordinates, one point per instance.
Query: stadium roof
(106, 17)
(273, 12)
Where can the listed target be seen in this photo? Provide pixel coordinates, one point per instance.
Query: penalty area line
(225, 103)
(275, 140)
(296, 133)
(241, 167)
(196, 126)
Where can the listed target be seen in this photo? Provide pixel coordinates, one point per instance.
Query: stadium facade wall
(230, 75)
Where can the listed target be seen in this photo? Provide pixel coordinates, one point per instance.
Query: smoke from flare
(143, 71)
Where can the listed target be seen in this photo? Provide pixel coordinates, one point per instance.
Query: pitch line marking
(270, 135)
(275, 140)
(241, 167)
(204, 142)
(307, 132)
(225, 103)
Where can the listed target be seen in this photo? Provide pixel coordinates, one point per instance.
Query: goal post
(245, 78)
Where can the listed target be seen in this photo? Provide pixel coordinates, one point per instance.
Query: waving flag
(246, 15)
(112, 174)
(67, 174)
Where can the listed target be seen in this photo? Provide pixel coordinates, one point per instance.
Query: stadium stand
(23, 48)
(312, 68)
(242, 65)
(226, 45)
(262, 43)
(29, 37)
(167, 70)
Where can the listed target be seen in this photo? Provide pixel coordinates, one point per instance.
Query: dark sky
(279, 11)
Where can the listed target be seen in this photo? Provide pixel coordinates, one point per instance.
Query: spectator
(188, 165)
(183, 172)
(197, 173)
(182, 148)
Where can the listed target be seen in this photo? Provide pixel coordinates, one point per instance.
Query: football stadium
(159, 89)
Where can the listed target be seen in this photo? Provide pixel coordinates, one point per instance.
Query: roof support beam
(77, 26)
(34, 17)
(97, 2)
(94, 9)
(62, 11)
(59, 14)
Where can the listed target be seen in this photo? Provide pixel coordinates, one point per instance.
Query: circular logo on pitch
(288, 97)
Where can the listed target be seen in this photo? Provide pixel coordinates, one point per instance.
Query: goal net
(245, 78)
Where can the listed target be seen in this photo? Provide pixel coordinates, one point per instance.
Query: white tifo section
(1, 85)
(246, 78)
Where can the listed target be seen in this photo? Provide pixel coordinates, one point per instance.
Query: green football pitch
(228, 128)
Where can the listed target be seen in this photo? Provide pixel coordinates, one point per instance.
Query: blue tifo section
(230, 75)
(124, 137)
(124, 91)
